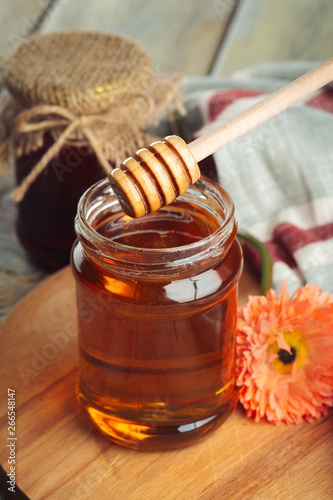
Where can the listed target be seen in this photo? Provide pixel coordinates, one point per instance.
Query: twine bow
(133, 110)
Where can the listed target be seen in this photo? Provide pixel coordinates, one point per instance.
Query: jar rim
(91, 205)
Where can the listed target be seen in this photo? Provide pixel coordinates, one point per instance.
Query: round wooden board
(59, 456)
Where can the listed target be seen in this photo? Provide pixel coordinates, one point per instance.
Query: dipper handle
(156, 176)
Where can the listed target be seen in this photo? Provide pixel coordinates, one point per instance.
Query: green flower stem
(266, 260)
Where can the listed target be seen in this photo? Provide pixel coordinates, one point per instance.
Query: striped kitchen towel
(280, 175)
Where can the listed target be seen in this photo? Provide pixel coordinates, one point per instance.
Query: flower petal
(303, 322)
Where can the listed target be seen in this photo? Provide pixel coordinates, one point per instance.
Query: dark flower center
(287, 357)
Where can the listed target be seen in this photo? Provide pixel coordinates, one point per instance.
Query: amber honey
(157, 305)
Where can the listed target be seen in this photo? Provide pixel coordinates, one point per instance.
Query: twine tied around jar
(107, 101)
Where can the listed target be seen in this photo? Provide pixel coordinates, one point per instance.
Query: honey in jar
(157, 309)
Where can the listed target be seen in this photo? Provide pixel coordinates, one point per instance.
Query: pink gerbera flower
(285, 355)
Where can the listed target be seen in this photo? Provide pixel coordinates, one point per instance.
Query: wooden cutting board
(59, 456)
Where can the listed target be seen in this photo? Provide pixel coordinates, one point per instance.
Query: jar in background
(157, 311)
(75, 104)
(44, 222)
(208, 168)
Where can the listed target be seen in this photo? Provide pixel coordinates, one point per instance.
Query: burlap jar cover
(83, 87)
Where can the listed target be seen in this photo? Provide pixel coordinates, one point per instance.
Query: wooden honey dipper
(156, 176)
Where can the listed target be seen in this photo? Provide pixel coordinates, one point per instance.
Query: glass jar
(44, 222)
(157, 310)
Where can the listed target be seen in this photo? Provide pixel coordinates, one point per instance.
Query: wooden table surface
(58, 455)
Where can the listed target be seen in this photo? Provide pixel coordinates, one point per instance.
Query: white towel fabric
(280, 175)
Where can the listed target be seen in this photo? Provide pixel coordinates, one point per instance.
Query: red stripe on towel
(293, 238)
(323, 100)
(223, 99)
